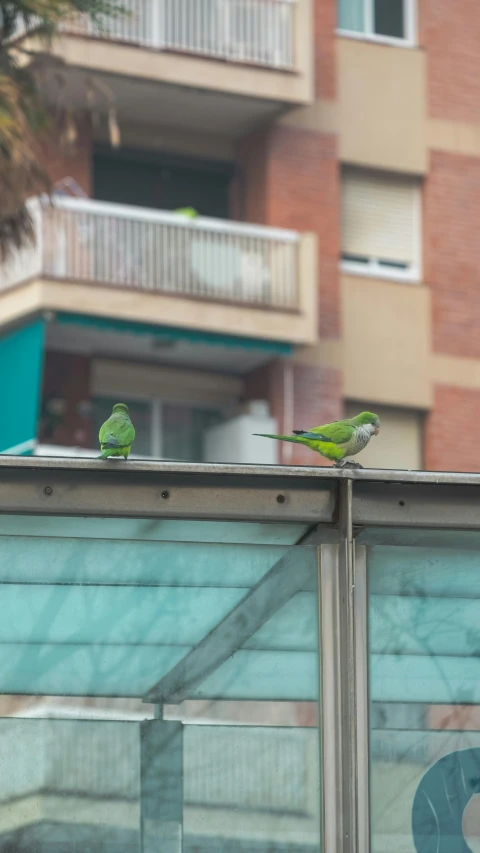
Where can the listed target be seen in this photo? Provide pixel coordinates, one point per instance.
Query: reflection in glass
(97, 612)
(424, 639)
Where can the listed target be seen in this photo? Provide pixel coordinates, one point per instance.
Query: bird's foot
(347, 463)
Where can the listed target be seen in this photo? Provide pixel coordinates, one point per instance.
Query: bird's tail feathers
(297, 439)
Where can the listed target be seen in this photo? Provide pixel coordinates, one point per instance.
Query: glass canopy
(220, 620)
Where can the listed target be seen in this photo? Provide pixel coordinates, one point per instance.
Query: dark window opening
(390, 18)
(163, 182)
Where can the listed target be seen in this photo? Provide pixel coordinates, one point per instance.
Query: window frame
(411, 31)
(373, 268)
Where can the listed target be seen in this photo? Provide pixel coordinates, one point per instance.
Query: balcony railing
(260, 32)
(160, 252)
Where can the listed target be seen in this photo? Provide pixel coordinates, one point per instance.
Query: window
(162, 181)
(380, 225)
(399, 444)
(384, 20)
(164, 430)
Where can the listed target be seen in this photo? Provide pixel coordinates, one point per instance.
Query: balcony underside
(155, 309)
(175, 347)
(165, 104)
(185, 91)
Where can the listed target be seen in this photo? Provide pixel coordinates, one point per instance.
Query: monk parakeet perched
(338, 440)
(189, 212)
(117, 434)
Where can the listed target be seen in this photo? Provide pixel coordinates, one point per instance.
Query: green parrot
(338, 440)
(189, 212)
(117, 434)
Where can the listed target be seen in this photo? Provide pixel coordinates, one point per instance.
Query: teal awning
(21, 359)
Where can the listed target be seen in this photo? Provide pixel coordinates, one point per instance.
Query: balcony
(204, 274)
(195, 54)
(255, 32)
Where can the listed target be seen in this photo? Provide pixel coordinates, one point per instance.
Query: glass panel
(141, 415)
(77, 786)
(424, 644)
(95, 613)
(351, 15)
(390, 18)
(152, 530)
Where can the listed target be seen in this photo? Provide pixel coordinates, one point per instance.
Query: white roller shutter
(380, 218)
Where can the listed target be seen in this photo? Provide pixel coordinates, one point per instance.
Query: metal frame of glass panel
(335, 506)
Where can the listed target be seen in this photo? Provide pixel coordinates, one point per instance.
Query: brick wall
(66, 379)
(451, 435)
(452, 252)
(325, 23)
(450, 32)
(290, 180)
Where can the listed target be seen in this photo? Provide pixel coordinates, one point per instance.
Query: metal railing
(260, 32)
(160, 252)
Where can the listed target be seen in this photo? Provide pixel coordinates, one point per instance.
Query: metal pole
(161, 793)
(346, 580)
(331, 705)
(362, 698)
(339, 686)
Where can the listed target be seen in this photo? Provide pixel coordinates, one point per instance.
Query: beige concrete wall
(41, 295)
(387, 342)
(382, 106)
(148, 137)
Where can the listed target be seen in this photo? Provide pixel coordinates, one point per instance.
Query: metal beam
(292, 573)
(271, 472)
(143, 489)
(421, 504)
(121, 489)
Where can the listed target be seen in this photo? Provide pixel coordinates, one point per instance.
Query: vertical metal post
(346, 579)
(330, 710)
(161, 792)
(344, 712)
(362, 698)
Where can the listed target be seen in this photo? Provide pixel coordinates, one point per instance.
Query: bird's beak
(377, 431)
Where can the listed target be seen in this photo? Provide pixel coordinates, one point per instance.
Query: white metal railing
(159, 251)
(260, 32)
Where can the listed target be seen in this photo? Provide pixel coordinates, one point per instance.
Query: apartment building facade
(331, 150)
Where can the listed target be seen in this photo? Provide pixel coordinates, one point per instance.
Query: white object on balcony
(234, 441)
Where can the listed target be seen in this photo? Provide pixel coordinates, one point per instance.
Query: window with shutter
(381, 225)
(403, 449)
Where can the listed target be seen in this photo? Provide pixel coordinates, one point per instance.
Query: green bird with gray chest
(338, 440)
(117, 434)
